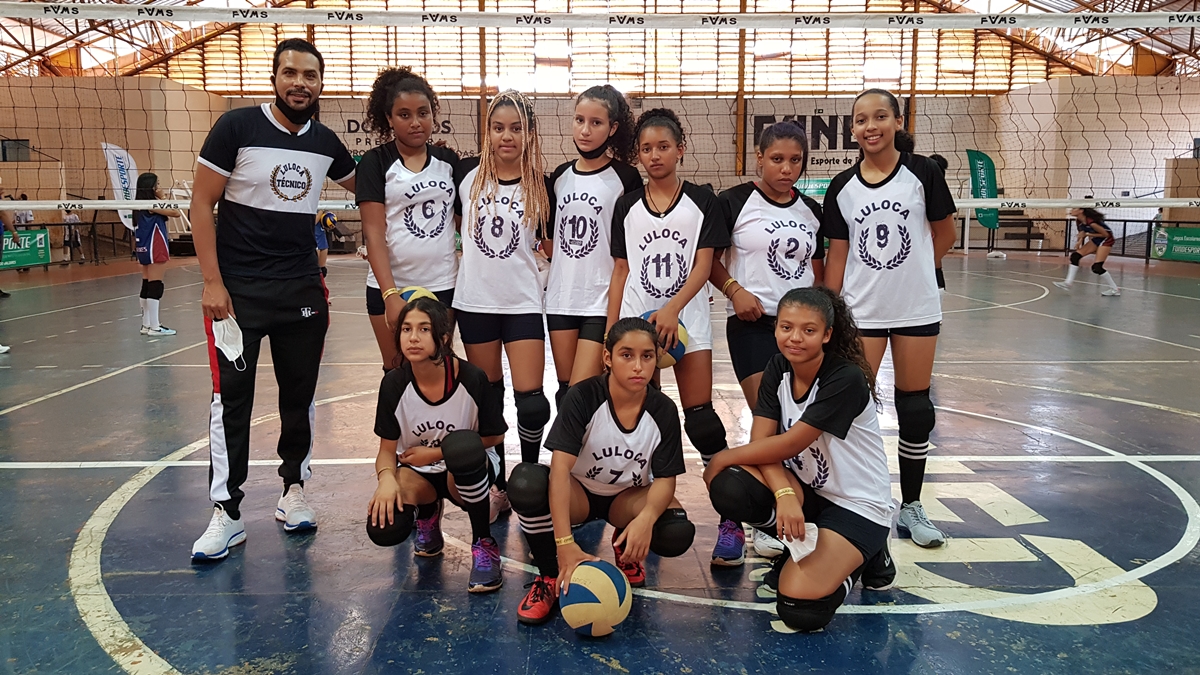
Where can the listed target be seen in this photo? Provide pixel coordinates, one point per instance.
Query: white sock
(142, 302)
(1072, 270)
(1109, 281)
(150, 318)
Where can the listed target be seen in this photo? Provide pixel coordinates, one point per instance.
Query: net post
(739, 136)
(910, 123)
(482, 78)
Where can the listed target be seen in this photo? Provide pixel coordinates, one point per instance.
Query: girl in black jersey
(405, 193)
(818, 397)
(616, 452)
(1095, 236)
(775, 246)
(663, 240)
(890, 220)
(584, 192)
(498, 296)
(436, 415)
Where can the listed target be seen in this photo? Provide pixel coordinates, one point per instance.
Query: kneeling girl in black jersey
(438, 423)
(617, 450)
(818, 395)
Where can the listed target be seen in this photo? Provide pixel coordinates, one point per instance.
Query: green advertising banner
(1176, 243)
(983, 186)
(33, 250)
(814, 188)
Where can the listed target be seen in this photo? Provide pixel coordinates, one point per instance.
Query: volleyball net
(1072, 109)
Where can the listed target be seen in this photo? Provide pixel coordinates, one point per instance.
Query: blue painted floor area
(1065, 473)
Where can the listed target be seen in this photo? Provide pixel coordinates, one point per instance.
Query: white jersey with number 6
(889, 280)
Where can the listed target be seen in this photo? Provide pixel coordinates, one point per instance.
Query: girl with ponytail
(817, 395)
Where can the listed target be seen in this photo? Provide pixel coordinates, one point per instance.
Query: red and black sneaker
(634, 571)
(539, 602)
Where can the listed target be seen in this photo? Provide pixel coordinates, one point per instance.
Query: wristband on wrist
(382, 470)
(390, 292)
(783, 492)
(725, 286)
(564, 541)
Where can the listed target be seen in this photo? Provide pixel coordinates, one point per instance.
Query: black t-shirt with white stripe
(274, 179)
(405, 415)
(612, 458)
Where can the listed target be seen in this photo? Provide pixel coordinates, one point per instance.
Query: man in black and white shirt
(265, 166)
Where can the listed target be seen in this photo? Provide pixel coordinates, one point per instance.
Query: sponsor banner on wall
(1176, 243)
(122, 170)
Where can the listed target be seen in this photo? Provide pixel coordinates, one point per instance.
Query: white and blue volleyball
(597, 600)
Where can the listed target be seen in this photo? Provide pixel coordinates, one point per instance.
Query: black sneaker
(771, 579)
(5, 295)
(879, 574)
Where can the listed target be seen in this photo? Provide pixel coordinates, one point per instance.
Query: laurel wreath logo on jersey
(572, 230)
(663, 264)
(820, 470)
(415, 230)
(496, 229)
(882, 236)
(789, 253)
(291, 182)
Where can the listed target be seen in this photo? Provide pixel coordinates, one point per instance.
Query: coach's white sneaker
(223, 533)
(766, 546)
(294, 512)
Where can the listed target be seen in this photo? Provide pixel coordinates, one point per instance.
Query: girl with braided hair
(890, 221)
(498, 295)
(663, 238)
(818, 395)
(405, 193)
(584, 192)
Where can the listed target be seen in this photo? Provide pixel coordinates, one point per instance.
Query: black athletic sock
(473, 489)
(563, 387)
(145, 289)
(235, 514)
(545, 553)
(425, 511)
(912, 478)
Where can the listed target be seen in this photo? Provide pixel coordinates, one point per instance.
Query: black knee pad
(739, 496)
(397, 532)
(154, 290)
(704, 429)
(463, 452)
(915, 415)
(673, 534)
(809, 615)
(529, 489)
(145, 289)
(563, 387)
(533, 409)
(1098, 268)
(1075, 258)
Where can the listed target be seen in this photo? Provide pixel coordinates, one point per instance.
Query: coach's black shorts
(590, 327)
(928, 330)
(751, 344)
(478, 328)
(376, 306)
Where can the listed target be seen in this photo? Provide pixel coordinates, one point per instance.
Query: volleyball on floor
(669, 357)
(410, 293)
(597, 600)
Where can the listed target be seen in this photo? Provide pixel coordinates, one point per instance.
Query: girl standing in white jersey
(890, 220)
(405, 193)
(663, 240)
(584, 192)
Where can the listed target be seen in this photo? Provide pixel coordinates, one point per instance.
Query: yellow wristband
(564, 541)
(390, 292)
(725, 286)
(783, 492)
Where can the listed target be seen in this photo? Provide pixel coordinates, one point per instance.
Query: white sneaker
(498, 500)
(1063, 285)
(4, 349)
(294, 512)
(1110, 292)
(922, 531)
(161, 330)
(223, 533)
(767, 546)
(145, 330)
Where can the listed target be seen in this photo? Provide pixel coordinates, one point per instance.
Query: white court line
(356, 461)
(1089, 283)
(81, 385)
(266, 364)
(88, 304)
(995, 305)
(1116, 399)
(338, 311)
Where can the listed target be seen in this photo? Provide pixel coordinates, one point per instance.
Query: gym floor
(1065, 472)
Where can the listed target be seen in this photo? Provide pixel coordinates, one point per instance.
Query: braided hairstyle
(844, 338)
(390, 83)
(622, 141)
(660, 117)
(533, 183)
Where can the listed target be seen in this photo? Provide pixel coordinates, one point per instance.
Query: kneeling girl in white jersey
(438, 423)
(616, 452)
(890, 220)
(584, 192)
(817, 395)
(663, 240)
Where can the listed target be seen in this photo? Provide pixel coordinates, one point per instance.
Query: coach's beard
(296, 116)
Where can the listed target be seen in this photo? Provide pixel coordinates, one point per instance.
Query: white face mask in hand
(228, 338)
